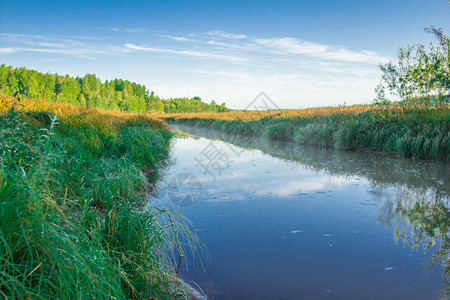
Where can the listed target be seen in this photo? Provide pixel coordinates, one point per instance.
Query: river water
(285, 221)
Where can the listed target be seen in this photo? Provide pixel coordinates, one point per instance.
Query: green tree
(117, 94)
(421, 76)
(222, 108)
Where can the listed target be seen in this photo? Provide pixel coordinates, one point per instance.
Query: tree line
(90, 91)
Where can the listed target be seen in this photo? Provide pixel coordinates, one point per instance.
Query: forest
(90, 91)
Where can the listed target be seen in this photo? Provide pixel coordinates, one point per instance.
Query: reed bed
(407, 130)
(73, 184)
(247, 116)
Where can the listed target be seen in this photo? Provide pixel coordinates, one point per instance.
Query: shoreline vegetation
(408, 130)
(73, 221)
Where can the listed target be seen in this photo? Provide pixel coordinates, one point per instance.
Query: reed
(411, 131)
(72, 222)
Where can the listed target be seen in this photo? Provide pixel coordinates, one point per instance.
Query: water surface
(284, 221)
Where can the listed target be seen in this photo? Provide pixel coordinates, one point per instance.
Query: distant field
(256, 115)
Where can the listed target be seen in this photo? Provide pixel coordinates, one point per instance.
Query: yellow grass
(62, 109)
(6, 102)
(279, 114)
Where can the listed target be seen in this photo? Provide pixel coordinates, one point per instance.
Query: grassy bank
(72, 187)
(412, 131)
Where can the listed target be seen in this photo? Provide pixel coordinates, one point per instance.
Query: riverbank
(410, 131)
(73, 183)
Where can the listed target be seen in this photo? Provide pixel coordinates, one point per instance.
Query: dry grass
(279, 114)
(381, 111)
(408, 130)
(63, 109)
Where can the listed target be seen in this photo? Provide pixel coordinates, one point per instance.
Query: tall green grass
(421, 132)
(72, 225)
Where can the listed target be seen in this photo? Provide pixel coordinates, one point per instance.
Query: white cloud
(16, 35)
(80, 47)
(182, 39)
(292, 45)
(130, 30)
(66, 52)
(226, 35)
(297, 47)
(199, 54)
(8, 50)
(127, 30)
(176, 38)
(277, 47)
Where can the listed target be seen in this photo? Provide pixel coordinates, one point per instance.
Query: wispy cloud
(216, 40)
(295, 46)
(16, 35)
(214, 44)
(291, 45)
(176, 38)
(198, 54)
(79, 47)
(226, 35)
(127, 30)
(66, 52)
(7, 50)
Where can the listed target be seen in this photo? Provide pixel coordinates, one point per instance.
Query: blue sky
(300, 53)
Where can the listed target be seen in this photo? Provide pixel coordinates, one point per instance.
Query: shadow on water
(419, 210)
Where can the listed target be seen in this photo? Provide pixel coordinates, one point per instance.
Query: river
(285, 221)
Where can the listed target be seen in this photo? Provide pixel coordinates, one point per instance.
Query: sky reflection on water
(292, 222)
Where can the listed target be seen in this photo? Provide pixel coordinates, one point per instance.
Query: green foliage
(71, 219)
(89, 91)
(185, 105)
(420, 76)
